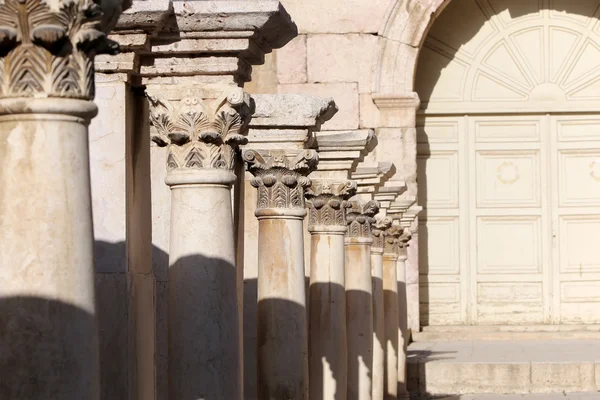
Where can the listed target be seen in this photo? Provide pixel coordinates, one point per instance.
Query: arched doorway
(509, 163)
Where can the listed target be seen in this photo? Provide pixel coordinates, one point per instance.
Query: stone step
(503, 367)
(532, 332)
(550, 396)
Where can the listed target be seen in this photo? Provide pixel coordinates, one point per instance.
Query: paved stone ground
(560, 396)
(505, 367)
(498, 351)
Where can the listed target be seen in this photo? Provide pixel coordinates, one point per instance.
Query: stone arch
(403, 33)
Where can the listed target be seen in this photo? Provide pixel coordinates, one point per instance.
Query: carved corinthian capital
(392, 240)
(403, 240)
(327, 203)
(360, 217)
(47, 48)
(378, 231)
(199, 134)
(280, 176)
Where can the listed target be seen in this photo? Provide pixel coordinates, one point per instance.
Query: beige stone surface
(338, 16)
(553, 396)
(113, 315)
(48, 309)
(345, 96)
(107, 169)
(512, 367)
(264, 77)
(291, 62)
(342, 58)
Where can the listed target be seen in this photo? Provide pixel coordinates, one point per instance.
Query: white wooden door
(509, 163)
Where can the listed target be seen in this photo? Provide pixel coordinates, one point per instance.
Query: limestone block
(552, 377)
(369, 113)
(345, 96)
(291, 61)
(460, 378)
(342, 58)
(264, 77)
(389, 146)
(338, 16)
(290, 110)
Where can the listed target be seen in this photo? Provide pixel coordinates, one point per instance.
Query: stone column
(48, 325)
(327, 318)
(390, 306)
(281, 179)
(339, 152)
(378, 230)
(359, 303)
(201, 137)
(402, 331)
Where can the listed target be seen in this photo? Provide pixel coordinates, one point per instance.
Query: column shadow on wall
(47, 349)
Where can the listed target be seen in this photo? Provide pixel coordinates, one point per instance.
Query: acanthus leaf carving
(280, 177)
(392, 240)
(378, 229)
(328, 201)
(50, 53)
(360, 217)
(208, 134)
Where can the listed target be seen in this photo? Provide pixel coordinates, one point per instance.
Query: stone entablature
(206, 38)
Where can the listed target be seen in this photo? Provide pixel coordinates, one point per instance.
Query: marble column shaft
(48, 327)
(359, 302)
(378, 231)
(280, 178)
(327, 319)
(202, 138)
(390, 300)
(403, 240)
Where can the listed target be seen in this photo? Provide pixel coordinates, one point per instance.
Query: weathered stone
(349, 58)
(287, 110)
(291, 62)
(344, 94)
(338, 16)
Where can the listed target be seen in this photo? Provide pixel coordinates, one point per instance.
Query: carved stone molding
(327, 203)
(360, 217)
(49, 52)
(378, 230)
(198, 134)
(280, 176)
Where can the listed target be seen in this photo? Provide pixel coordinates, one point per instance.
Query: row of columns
(208, 125)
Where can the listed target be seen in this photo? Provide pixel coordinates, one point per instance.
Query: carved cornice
(280, 176)
(49, 52)
(360, 217)
(200, 135)
(378, 229)
(327, 203)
